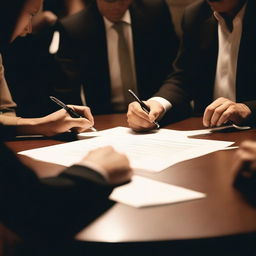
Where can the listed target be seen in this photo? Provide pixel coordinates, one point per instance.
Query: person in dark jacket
(51, 210)
(113, 46)
(214, 73)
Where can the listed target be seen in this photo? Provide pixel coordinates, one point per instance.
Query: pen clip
(60, 103)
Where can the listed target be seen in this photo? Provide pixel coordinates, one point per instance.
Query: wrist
(246, 110)
(32, 126)
(165, 103)
(95, 167)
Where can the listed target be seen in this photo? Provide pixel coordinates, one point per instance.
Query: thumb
(156, 109)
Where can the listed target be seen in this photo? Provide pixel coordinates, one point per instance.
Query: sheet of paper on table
(149, 152)
(189, 133)
(143, 192)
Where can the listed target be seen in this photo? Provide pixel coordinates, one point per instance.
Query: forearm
(30, 126)
(23, 126)
(48, 203)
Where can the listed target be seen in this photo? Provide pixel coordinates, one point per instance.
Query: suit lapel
(209, 47)
(247, 54)
(210, 34)
(138, 32)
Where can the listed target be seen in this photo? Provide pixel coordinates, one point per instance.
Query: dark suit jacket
(195, 66)
(51, 210)
(83, 53)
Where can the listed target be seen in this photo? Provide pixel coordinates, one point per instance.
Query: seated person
(49, 125)
(57, 122)
(215, 68)
(53, 209)
(113, 46)
(28, 80)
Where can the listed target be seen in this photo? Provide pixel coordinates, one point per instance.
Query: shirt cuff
(94, 167)
(165, 103)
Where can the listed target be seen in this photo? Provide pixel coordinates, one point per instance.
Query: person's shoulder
(150, 8)
(82, 18)
(73, 19)
(81, 23)
(199, 7)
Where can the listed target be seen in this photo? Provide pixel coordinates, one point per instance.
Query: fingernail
(93, 129)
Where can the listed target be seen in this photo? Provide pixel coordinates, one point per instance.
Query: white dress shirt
(229, 44)
(117, 97)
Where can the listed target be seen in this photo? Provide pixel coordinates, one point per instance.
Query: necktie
(127, 72)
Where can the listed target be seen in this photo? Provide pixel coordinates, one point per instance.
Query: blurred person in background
(113, 46)
(29, 62)
(48, 212)
(214, 73)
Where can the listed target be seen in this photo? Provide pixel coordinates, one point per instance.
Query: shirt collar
(126, 19)
(238, 18)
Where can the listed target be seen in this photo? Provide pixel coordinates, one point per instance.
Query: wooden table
(223, 212)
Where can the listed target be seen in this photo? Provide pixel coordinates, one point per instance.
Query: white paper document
(151, 152)
(142, 192)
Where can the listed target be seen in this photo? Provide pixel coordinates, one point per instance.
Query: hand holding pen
(135, 118)
(72, 112)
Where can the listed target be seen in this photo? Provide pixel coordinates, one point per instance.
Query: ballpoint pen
(70, 111)
(143, 106)
(229, 125)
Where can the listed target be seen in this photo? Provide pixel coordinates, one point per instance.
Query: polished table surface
(223, 212)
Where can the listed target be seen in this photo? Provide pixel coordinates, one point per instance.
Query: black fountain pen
(70, 111)
(143, 106)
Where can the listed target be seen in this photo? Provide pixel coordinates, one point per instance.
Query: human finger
(217, 116)
(210, 110)
(80, 124)
(156, 109)
(137, 123)
(83, 111)
(136, 109)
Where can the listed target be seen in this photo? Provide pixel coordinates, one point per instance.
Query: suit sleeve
(48, 208)
(67, 86)
(7, 105)
(175, 89)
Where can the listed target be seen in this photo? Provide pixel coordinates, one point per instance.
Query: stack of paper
(152, 152)
(142, 192)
